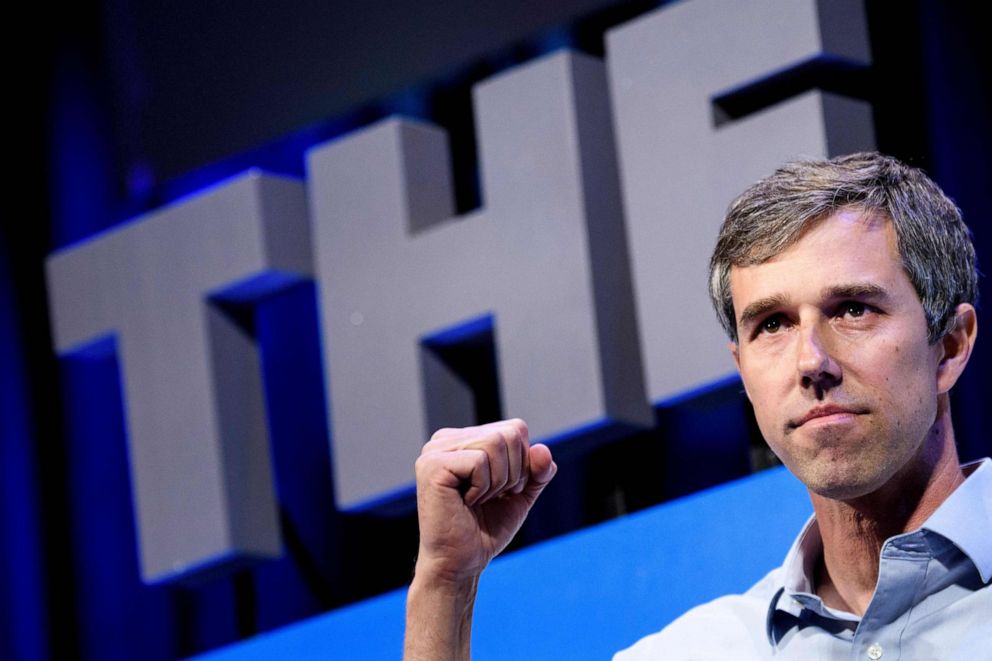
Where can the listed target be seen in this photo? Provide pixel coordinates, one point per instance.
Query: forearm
(439, 618)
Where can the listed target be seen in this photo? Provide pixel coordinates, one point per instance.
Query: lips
(823, 412)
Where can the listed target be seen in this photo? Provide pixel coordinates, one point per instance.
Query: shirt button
(875, 652)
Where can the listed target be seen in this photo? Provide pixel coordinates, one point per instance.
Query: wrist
(438, 576)
(439, 615)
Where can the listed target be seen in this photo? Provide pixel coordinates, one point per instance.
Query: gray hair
(771, 215)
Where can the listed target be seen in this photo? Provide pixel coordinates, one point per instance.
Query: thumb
(542, 470)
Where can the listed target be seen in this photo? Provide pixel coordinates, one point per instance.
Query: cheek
(910, 366)
(766, 385)
(906, 383)
(767, 412)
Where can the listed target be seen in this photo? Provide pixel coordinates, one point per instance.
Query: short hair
(934, 243)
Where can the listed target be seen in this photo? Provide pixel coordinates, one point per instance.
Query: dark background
(117, 107)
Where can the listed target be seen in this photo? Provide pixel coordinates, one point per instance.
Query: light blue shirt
(933, 599)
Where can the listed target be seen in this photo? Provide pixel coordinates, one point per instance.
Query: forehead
(848, 246)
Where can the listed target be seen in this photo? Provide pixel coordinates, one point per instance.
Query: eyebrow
(856, 290)
(759, 308)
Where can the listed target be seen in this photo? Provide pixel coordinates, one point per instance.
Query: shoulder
(734, 622)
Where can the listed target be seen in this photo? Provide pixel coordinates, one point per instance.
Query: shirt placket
(901, 575)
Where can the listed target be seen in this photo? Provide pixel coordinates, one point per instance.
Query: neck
(854, 530)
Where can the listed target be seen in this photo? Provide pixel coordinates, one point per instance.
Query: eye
(853, 309)
(771, 325)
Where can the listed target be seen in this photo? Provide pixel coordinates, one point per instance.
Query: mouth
(829, 414)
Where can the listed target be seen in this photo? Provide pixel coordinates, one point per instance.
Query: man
(847, 288)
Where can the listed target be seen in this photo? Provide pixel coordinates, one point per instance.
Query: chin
(840, 482)
(840, 490)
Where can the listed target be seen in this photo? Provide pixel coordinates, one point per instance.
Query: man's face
(833, 351)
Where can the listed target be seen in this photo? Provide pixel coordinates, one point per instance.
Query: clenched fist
(474, 489)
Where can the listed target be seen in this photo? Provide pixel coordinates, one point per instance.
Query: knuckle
(487, 442)
(441, 434)
(423, 464)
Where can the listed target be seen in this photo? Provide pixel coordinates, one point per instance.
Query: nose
(817, 368)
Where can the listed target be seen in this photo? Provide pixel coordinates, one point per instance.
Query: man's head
(847, 287)
(934, 243)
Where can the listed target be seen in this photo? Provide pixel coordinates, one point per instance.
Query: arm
(475, 487)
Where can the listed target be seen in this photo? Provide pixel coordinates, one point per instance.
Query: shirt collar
(800, 562)
(964, 518)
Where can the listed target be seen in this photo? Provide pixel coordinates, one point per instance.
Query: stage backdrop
(272, 248)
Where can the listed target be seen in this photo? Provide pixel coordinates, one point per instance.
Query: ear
(956, 347)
